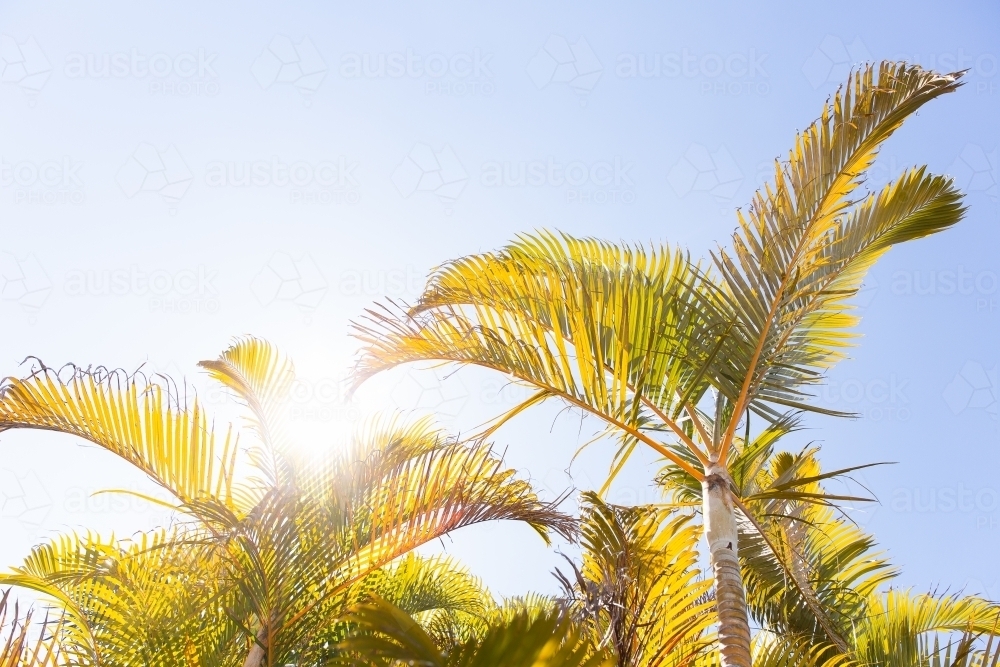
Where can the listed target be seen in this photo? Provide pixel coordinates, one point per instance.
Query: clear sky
(176, 174)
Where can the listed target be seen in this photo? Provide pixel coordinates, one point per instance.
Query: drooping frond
(260, 376)
(143, 421)
(612, 330)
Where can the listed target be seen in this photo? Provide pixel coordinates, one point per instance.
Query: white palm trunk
(730, 598)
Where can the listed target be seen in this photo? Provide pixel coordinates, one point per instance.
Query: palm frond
(614, 331)
(260, 376)
(142, 421)
(803, 246)
(639, 590)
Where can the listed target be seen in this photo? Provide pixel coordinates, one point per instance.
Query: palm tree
(269, 547)
(663, 350)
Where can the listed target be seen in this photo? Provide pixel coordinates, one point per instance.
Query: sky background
(176, 174)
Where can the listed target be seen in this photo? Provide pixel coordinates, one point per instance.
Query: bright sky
(175, 175)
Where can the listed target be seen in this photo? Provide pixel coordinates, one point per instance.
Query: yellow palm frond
(125, 603)
(260, 376)
(804, 245)
(902, 628)
(26, 643)
(451, 604)
(616, 331)
(546, 640)
(143, 421)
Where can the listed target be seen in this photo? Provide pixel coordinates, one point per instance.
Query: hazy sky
(176, 174)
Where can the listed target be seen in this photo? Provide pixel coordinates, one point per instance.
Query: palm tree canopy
(270, 546)
(638, 336)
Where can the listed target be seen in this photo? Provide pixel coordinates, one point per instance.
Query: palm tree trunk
(730, 598)
(255, 658)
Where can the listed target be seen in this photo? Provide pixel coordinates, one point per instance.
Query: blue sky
(174, 175)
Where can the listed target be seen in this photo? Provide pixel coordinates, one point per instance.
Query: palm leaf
(143, 421)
